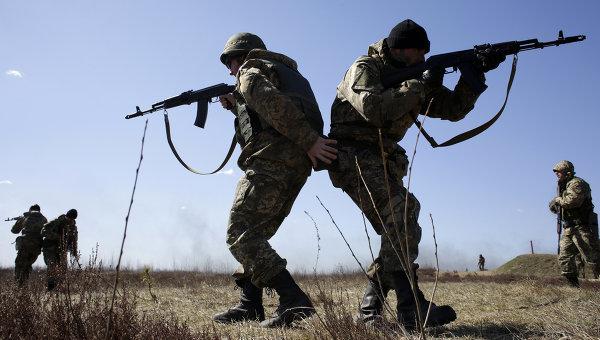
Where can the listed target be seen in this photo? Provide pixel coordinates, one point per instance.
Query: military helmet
(241, 43)
(564, 167)
(72, 213)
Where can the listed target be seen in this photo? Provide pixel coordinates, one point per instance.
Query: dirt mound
(531, 265)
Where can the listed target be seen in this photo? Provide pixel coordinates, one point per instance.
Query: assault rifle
(12, 218)
(468, 61)
(558, 220)
(202, 97)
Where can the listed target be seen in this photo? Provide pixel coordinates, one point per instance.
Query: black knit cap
(72, 213)
(408, 34)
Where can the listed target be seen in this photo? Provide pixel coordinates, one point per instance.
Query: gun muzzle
(137, 113)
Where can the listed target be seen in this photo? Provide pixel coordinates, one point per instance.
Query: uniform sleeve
(362, 88)
(72, 240)
(18, 226)
(452, 105)
(275, 108)
(574, 195)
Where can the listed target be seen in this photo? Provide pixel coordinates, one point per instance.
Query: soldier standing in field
(363, 108)
(579, 221)
(29, 244)
(279, 126)
(59, 237)
(481, 263)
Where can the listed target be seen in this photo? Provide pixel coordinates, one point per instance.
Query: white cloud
(6, 182)
(14, 73)
(183, 207)
(226, 172)
(519, 210)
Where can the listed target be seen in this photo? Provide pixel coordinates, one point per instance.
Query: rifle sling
(172, 146)
(473, 132)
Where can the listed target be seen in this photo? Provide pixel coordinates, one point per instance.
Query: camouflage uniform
(273, 159)
(361, 107)
(59, 237)
(578, 235)
(29, 245)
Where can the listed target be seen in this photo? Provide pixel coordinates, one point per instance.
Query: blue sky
(70, 71)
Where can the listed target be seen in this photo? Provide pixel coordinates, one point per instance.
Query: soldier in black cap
(59, 237)
(365, 111)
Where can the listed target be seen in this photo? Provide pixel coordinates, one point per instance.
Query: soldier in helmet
(29, 244)
(279, 127)
(580, 223)
(59, 237)
(362, 111)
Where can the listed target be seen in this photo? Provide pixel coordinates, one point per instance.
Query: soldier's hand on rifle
(322, 151)
(490, 60)
(227, 101)
(432, 80)
(554, 206)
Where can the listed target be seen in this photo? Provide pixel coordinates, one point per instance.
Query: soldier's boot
(572, 279)
(371, 307)
(249, 308)
(407, 309)
(294, 304)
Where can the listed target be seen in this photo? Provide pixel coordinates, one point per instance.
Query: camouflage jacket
(291, 135)
(61, 233)
(30, 225)
(576, 201)
(362, 104)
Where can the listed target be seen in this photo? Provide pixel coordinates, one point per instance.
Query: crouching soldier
(59, 237)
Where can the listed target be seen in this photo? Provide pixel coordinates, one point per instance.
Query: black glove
(433, 79)
(488, 60)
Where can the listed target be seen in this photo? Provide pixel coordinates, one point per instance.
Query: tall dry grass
(500, 307)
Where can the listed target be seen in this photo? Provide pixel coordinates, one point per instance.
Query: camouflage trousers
(385, 210)
(56, 263)
(27, 253)
(576, 240)
(263, 198)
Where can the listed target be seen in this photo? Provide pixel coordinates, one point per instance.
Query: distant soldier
(481, 263)
(29, 244)
(579, 221)
(59, 237)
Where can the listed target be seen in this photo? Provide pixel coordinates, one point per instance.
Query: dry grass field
(179, 305)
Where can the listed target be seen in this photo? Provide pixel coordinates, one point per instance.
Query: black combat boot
(572, 279)
(407, 309)
(371, 307)
(294, 304)
(249, 308)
